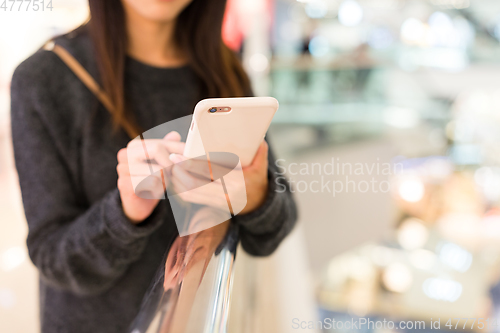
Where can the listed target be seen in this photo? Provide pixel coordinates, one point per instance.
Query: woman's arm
(263, 229)
(75, 247)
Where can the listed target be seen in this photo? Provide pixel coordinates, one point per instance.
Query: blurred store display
(444, 255)
(391, 69)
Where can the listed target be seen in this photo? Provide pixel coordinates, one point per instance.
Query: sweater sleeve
(263, 229)
(77, 248)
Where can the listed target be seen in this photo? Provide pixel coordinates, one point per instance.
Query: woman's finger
(197, 167)
(149, 150)
(200, 167)
(121, 157)
(138, 169)
(151, 187)
(175, 147)
(210, 195)
(172, 136)
(183, 181)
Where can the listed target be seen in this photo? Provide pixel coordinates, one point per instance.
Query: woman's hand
(256, 180)
(135, 166)
(189, 180)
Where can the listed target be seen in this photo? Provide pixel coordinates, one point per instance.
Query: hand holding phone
(234, 126)
(254, 186)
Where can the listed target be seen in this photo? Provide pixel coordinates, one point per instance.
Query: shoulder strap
(86, 79)
(81, 73)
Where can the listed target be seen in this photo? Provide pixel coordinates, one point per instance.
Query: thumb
(177, 158)
(172, 136)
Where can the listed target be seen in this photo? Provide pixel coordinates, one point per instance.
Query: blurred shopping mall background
(405, 94)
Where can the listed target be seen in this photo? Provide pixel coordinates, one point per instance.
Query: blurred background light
(438, 168)
(360, 269)
(350, 13)
(413, 31)
(290, 31)
(316, 8)
(466, 154)
(319, 46)
(412, 234)
(444, 58)
(380, 38)
(297, 13)
(442, 289)
(401, 117)
(460, 227)
(259, 62)
(442, 30)
(455, 257)
(382, 256)
(411, 190)
(397, 277)
(488, 179)
(423, 259)
(465, 31)
(12, 258)
(456, 4)
(496, 30)
(7, 298)
(461, 4)
(441, 21)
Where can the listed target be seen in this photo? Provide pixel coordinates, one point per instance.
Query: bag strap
(87, 80)
(81, 73)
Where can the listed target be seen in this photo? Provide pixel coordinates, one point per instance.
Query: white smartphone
(233, 125)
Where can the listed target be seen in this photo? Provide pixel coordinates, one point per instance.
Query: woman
(96, 244)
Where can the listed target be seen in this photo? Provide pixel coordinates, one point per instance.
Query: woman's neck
(153, 42)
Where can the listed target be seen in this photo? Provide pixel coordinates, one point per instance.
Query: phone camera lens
(212, 110)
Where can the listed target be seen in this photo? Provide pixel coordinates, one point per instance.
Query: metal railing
(192, 289)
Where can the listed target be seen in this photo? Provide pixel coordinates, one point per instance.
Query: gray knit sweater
(94, 264)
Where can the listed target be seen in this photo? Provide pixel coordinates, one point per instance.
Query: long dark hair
(197, 34)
